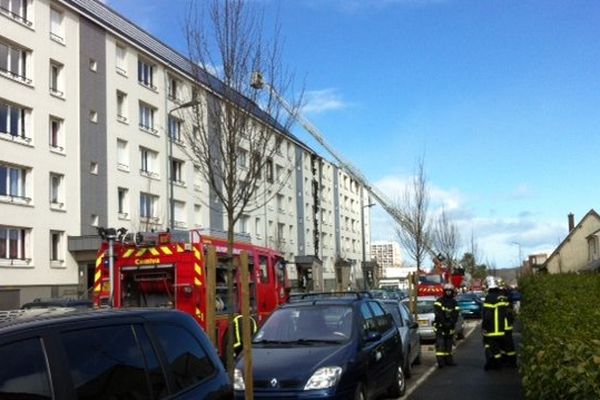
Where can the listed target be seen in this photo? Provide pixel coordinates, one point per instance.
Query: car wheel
(359, 392)
(398, 387)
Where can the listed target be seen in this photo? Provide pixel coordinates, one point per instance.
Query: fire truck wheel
(359, 393)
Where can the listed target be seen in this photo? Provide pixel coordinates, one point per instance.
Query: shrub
(560, 354)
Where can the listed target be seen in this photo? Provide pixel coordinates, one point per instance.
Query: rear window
(425, 306)
(24, 371)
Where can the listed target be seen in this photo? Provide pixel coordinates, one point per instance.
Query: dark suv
(334, 346)
(107, 354)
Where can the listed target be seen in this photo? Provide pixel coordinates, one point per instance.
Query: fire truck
(151, 269)
(432, 283)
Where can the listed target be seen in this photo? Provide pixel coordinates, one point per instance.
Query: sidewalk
(468, 380)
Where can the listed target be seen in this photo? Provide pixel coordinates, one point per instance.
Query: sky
(498, 97)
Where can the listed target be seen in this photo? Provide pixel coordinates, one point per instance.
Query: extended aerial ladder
(259, 83)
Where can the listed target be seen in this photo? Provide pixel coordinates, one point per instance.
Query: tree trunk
(229, 361)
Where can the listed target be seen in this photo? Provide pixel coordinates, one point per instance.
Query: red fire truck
(432, 283)
(169, 270)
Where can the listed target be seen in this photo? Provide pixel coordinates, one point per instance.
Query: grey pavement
(467, 380)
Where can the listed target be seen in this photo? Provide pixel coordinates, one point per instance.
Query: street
(466, 381)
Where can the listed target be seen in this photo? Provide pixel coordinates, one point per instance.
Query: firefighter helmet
(491, 282)
(449, 286)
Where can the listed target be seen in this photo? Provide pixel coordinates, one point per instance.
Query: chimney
(571, 221)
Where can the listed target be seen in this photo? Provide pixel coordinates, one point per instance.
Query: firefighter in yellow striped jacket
(509, 354)
(238, 332)
(493, 323)
(446, 314)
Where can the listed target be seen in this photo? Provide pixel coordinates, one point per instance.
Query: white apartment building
(387, 254)
(85, 141)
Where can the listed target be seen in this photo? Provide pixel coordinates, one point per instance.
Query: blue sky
(500, 97)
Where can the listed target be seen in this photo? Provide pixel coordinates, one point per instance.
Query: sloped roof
(590, 214)
(109, 18)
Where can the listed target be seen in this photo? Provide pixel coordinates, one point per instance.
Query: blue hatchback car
(324, 346)
(470, 305)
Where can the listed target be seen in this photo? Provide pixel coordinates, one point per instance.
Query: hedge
(560, 353)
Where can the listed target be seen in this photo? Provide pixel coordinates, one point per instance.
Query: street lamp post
(170, 171)
(364, 245)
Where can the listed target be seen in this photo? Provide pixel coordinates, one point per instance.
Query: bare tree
(236, 130)
(414, 231)
(446, 239)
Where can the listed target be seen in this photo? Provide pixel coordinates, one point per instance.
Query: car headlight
(324, 378)
(238, 380)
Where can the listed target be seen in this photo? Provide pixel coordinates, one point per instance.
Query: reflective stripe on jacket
(493, 321)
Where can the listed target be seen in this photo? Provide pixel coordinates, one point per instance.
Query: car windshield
(424, 306)
(431, 279)
(321, 323)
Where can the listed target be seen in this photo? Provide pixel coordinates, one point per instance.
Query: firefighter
(238, 330)
(493, 323)
(446, 314)
(509, 354)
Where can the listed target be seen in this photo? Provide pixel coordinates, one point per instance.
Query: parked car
(58, 302)
(326, 346)
(409, 333)
(62, 353)
(426, 316)
(470, 304)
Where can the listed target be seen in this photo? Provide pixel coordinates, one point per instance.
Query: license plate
(423, 322)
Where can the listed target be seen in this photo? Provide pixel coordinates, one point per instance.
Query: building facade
(387, 254)
(88, 139)
(576, 253)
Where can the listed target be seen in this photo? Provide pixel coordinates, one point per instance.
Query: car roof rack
(296, 297)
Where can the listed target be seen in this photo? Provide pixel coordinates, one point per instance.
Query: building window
(123, 208)
(56, 185)
(17, 9)
(147, 118)
(269, 172)
(56, 134)
(121, 63)
(93, 65)
(94, 168)
(174, 128)
(148, 162)
(176, 171)
(173, 89)
(57, 29)
(243, 223)
(121, 106)
(94, 116)
(56, 239)
(56, 84)
(12, 243)
(13, 121)
(13, 62)
(148, 204)
(197, 178)
(179, 213)
(146, 74)
(122, 155)
(257, 228)
(242, 158)
(13, 181)
(197, 215)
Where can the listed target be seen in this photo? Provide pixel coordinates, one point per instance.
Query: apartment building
(88, 138)
(387, 254)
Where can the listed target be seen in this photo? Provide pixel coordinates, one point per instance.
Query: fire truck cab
(167, 269)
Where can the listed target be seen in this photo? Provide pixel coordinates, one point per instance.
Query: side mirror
(372, 336)
(414, 325)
